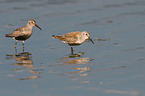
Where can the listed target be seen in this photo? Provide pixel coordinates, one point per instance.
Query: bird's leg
(23, 45)
(23, 49)
(72, 50)
(16, 50)
(16, 43)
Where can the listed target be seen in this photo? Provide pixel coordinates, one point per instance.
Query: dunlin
(23, 33)
(74, 38)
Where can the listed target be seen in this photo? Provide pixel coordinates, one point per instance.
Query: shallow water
(113, 66)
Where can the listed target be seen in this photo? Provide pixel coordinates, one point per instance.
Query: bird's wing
(18, 32)
(71, 37)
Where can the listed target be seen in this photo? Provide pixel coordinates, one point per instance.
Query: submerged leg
(72, 50)
(23, 45)
(16, 43)
(23, 49)
(16, 50)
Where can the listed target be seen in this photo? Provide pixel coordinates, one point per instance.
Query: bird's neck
(28, 26)
(28, 29)
(81, 39)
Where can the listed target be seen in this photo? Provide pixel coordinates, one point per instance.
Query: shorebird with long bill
(74, 38)
(23, 33)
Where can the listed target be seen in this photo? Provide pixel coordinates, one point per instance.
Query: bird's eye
(87, 34)
(32, 22)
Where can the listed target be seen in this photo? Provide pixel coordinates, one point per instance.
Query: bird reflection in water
(81, 71)
(23, 59)
(76, 59)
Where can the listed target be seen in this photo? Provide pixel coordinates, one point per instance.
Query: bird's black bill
(91, 40)
(38, 26)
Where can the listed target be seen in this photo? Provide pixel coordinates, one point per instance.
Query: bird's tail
(55, 36)
(8, 35)
(58, 37)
